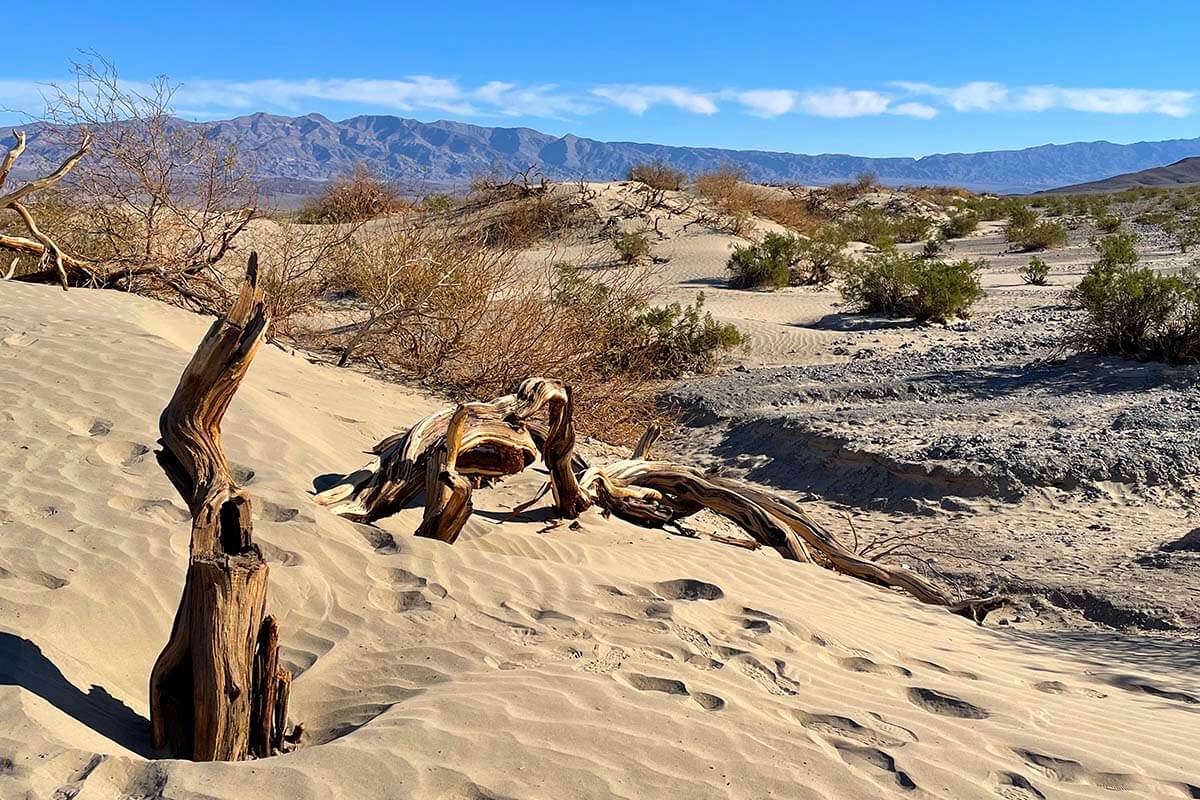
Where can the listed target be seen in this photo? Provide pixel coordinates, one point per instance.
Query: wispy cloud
(211, 99)
(989, 96)
(639, 99)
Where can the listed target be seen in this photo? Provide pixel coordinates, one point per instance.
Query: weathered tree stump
(215, 690)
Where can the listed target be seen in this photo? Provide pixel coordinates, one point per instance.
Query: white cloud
(918, 110)
(989, 96)
(639, 99)
(1107, 101)
(214, 99)
(767, 102)
(842, 103)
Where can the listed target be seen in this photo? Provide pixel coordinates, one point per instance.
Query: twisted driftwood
(497, 439)
(444, 451)
(217, 692)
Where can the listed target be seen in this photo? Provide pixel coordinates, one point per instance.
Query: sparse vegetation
(632, 247)
(961, 224)
(782, 259)
(356, 197)
(899, 284)
(1036, 272)
(876, 227)
(1133, 311)
(766, 264)
(1038, 236)
(658, 175)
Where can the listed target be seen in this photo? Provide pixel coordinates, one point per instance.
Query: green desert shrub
(1020, 215)
(1187, 233)
(766, 264)
(1133, 311)
(1109, 223)
(1038, 236)
(934, 247)
(1035, 272)
(1120, 249)
(632, 247)
(784, 259)
(820, 257)
(880, 229)
(681, 339)
(892, 282)
(961, 224)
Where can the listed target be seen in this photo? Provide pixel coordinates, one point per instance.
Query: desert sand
(530, 659)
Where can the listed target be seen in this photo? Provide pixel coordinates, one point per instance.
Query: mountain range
(1185, 172)
(296, 155)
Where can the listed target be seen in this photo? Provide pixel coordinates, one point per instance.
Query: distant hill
(302, 152)
(1185, 172)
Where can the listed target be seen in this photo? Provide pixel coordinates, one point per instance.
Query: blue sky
(868, 78)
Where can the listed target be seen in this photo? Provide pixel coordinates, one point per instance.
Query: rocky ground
(1019, 464)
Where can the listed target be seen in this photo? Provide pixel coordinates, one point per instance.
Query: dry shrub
(156, 204)
(658, 175)
(730, 196)
(525, 221)
(790, 212)
(451, 310)
(357, 197)
(299, 265)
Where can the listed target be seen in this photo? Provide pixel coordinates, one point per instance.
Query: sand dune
(528, 660)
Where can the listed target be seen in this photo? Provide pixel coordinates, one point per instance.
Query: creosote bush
(1036, 272)
(896, 283)
(764, 265)
(1133, 311)
(961, 224)
(632, 247)
(784, 259)
(1038, 236)
(357, 197)
(658, 175)
(880, 229)
(524, 221)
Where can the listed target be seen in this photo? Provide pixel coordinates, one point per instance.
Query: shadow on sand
(22, 663)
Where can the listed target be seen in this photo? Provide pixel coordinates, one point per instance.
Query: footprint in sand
(277, 555)
(1015, 786)
(90, 426)
(860, 664)
(649, 683)
(380, 540)
(765, 677)
(1058, 687)
(688, 589)
(1066, 770)
(273, 512)
(877, 759)
(958, 673)
(833, 726)
(944, 705)
(1132, 683)
(118, 453)
(608, 662)
(160, 508)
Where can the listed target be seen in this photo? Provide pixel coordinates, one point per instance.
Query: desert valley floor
(598, 659)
